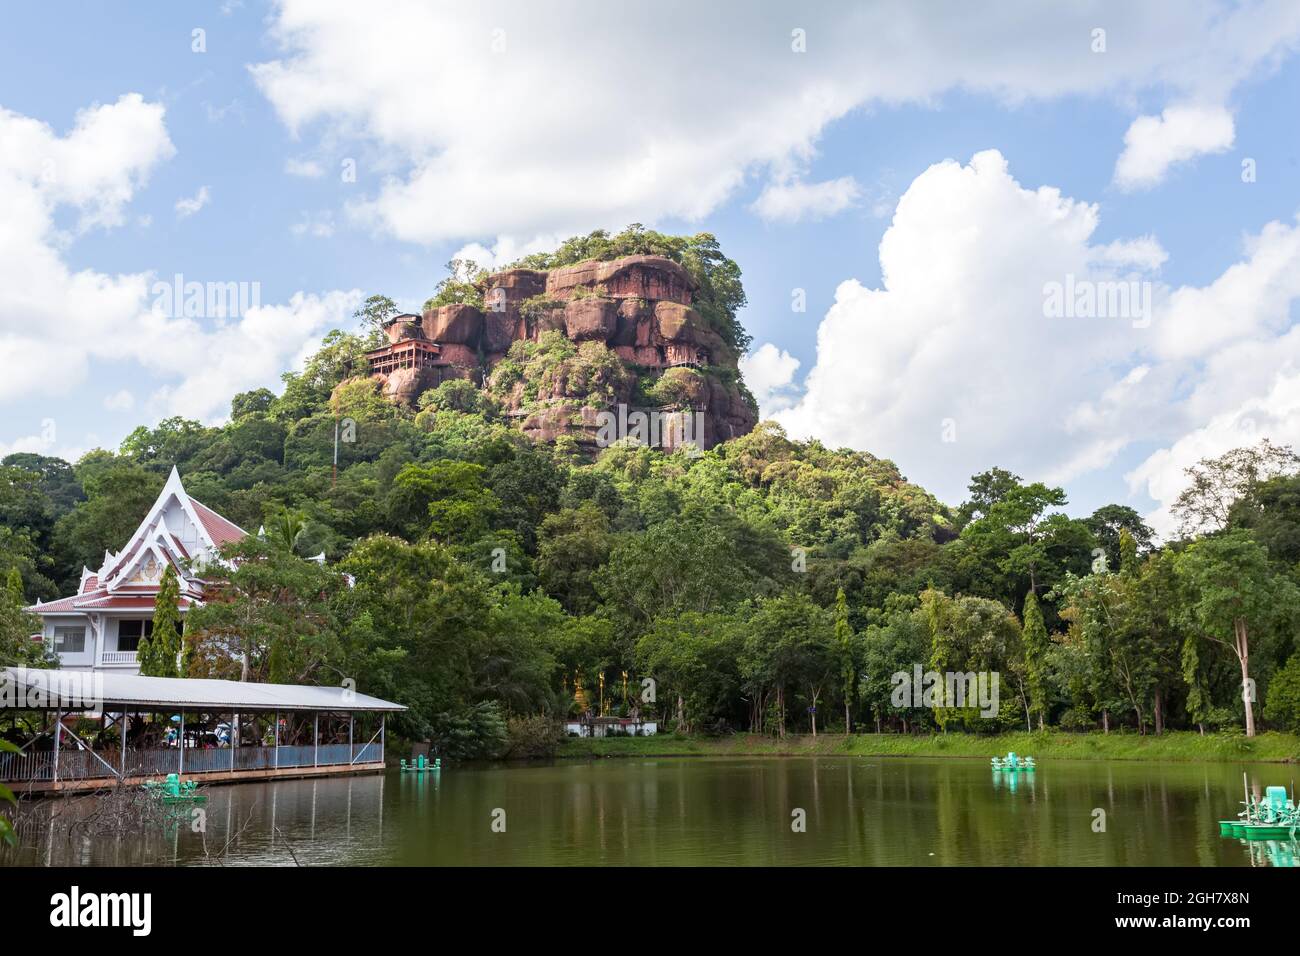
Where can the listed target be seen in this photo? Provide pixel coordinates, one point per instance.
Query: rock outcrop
(638, 309)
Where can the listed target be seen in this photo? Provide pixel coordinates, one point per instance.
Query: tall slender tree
(1036, 645)
(158, 652)
(848, 658)
(1233, 595)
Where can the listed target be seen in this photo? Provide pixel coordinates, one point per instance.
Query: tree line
(767, 585)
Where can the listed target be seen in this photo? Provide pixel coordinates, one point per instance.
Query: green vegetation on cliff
(720, 295)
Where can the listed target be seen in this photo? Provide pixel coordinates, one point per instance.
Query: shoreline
(1176, 746)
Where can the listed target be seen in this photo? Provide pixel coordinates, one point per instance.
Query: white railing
(119, 657)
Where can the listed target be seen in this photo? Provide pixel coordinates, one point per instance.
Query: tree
(971, 635)
(374, 312)
(413, 618)
(1105, 607)
(268, 616)
(462, 285)
(512, 659)
(285, 528)
(445, 500)
(892, 647)
(693, 659)
(573, 544)
(790, 648)
(1272, 513)
(244, 404)
(1036, 644)
(159, 650)
(1231, 592)
(1110, 523)
(844, 639)
(119, 494)
(986, 490)
(1216, 484)
(477, 732)
(669, 568)
(340, 356)
(1283, 705)
(1030, 545)
(17, 649)
(172, 442)
(55, 478)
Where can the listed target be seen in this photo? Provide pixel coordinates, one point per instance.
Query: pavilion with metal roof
(82, 730)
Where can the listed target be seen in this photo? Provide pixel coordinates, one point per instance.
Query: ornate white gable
(173, 532)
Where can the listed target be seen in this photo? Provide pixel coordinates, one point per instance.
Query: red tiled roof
(129, 602)
(184, 551)
(218, 528)
(66, 604)
(102, 600)
(91, 584)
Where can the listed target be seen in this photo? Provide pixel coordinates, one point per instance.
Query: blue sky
(495, 127)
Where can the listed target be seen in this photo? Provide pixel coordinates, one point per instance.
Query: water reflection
(1273, 852)
(660, 812)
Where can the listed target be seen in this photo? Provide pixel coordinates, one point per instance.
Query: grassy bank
(1272, 747)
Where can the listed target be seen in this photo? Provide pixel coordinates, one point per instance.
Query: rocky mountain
(557, 347)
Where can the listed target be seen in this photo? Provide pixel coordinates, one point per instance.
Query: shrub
(473, 733)
(533, 737)
(1283, 705)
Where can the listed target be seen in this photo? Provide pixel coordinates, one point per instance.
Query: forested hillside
(765, 584)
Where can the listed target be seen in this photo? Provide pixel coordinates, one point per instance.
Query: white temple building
(100, 627)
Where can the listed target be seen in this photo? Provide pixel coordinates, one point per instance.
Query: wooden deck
(66, 787)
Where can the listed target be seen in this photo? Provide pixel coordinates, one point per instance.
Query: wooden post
(123, 728)
(234, 739)
(277, 740)
(182, 743)
(315, 739)
(382, 718)
(58, 733)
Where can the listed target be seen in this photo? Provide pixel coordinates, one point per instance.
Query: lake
(856, 811)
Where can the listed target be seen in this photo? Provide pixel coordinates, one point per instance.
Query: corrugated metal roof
(164, 693)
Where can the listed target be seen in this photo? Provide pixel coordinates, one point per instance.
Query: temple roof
(178, 530)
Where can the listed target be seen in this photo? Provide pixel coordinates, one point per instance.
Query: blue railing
(79, 764)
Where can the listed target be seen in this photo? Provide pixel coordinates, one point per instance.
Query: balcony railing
(118, 657)
(78, 764)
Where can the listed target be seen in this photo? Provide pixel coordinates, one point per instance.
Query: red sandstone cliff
(637, 307)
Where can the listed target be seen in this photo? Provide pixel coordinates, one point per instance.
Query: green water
(724, 811)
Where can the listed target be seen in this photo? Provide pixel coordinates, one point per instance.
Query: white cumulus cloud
(952, 365)
(120, 401)
(796, 200)
(59, 324)
(769, 373)
(187, 206)
(1181, 133)
(570, 128)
